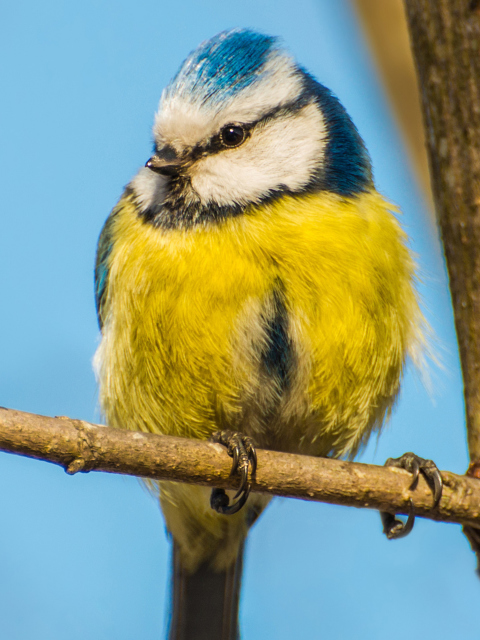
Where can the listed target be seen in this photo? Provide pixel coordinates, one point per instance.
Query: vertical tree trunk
(446, 45)
(445, 37)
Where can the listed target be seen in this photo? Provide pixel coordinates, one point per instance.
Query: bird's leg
(242, 450)
(394, 528)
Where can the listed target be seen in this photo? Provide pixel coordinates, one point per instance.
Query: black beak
(165, 161)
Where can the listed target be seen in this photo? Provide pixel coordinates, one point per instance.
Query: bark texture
(445, 38)
(80, 446)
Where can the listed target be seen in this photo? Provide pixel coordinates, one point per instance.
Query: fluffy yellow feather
(184, 328)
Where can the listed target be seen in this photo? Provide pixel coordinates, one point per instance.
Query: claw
(220, 502)
(395, 528)
(243, 470)
(433, 476)
(438, 488)
(242, 450)
(416, 474)
(235, 455)
(252, 454)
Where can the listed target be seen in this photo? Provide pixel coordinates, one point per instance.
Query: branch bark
(80, 446)
(445, 37)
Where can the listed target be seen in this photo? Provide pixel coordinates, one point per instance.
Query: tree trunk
(445, 37)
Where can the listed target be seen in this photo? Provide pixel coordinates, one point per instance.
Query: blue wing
(104, 248)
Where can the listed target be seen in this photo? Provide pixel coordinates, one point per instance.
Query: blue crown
(222, 66)
(232, 60)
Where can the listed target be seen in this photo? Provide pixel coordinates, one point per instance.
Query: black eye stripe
(216, 144)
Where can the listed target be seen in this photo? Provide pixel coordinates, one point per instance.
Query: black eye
(232, 135)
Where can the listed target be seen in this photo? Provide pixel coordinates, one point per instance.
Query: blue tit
(250, 279)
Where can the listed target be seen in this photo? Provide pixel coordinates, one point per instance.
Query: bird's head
(241, 123)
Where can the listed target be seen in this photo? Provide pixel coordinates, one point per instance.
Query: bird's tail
(205, 603)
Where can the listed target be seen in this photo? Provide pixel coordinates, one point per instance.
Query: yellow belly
(186, 313)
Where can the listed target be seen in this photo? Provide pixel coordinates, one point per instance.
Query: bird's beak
(165, 161)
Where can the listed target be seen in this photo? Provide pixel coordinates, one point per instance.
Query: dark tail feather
(205, 603)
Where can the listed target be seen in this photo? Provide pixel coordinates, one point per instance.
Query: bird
(252, 287)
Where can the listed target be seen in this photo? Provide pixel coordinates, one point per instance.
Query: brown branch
(80, 446)
(445, 38)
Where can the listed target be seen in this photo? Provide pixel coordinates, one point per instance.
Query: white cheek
(285, 152)
(149, 187)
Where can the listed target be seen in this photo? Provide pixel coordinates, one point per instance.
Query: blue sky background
(88, 556)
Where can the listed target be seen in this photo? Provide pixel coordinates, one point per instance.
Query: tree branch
(80, 446)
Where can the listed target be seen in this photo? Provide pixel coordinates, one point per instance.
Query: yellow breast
(188, 314)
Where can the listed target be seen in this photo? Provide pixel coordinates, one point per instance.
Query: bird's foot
(242, 450)
(394, 528)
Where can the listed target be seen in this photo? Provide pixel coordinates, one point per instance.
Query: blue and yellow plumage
(250, 278)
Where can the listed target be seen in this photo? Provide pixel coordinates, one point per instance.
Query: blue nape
(222, 66)
(347, 169)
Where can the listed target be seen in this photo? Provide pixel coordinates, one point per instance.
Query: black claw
(243, 470)
(219, 500)
(252, 454)
(395, 528)
(235, 455)
(242, 450)
(438, 488)
(434, 479)
(415, 465)
(415, 473)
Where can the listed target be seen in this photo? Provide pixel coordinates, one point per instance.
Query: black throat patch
(183, 209)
